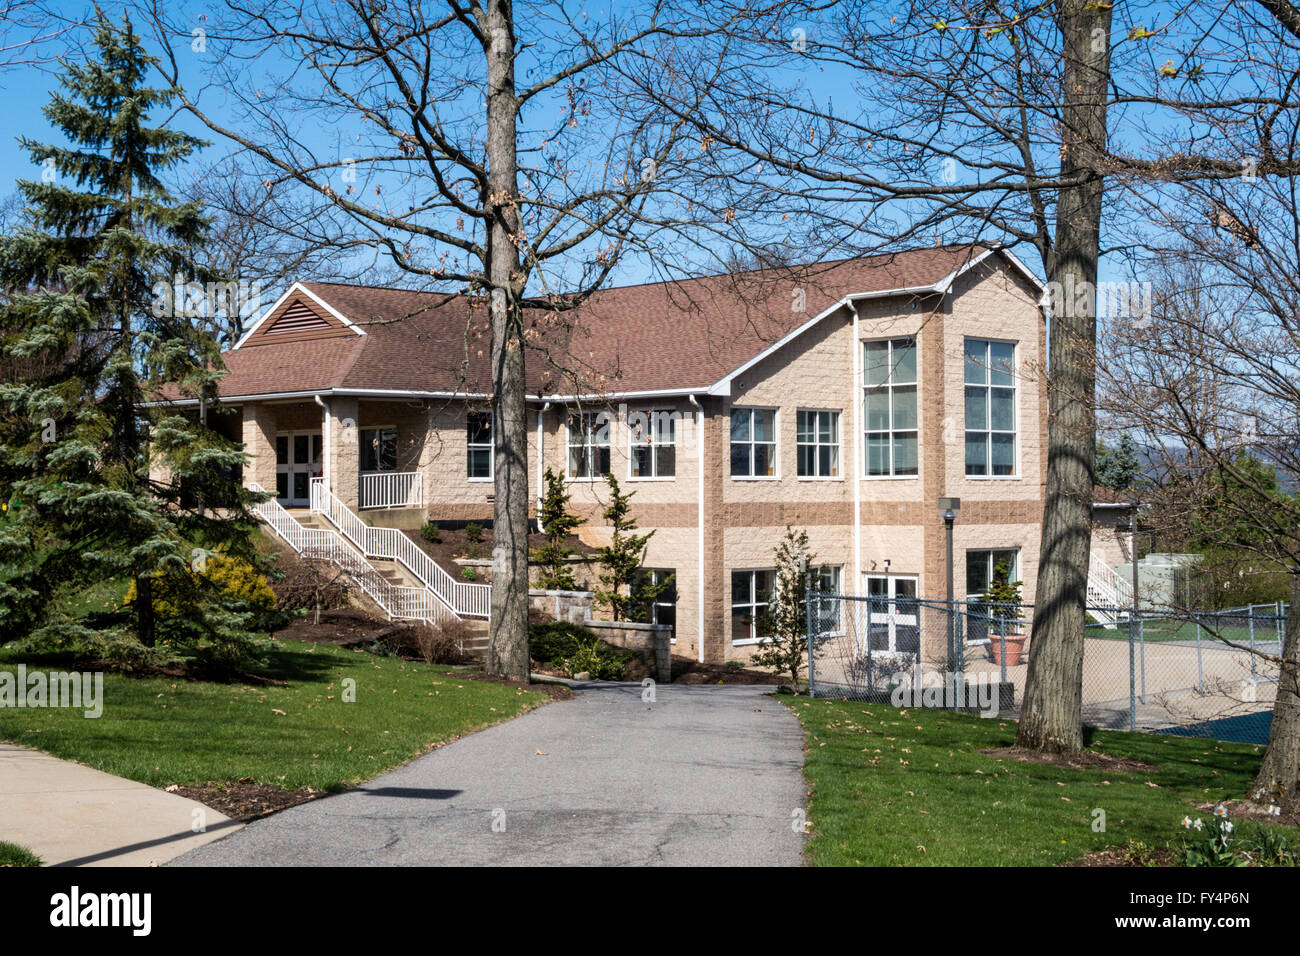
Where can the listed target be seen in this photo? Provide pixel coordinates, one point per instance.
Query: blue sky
(26, 89)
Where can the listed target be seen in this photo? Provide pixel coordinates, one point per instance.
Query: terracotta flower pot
(1015, 644)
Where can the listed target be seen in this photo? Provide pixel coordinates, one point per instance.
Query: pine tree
(623, 587)
(1119, 467)
(80, 319)
(558, 523)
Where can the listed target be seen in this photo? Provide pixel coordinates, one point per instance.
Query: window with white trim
(664, 608)
(653, 439)
(753, 443)
(478, 445)
(983, 567)
(990, 408)
(828, 612)
(751, 591)
(588, 444)
(889, 408)
(817, 438)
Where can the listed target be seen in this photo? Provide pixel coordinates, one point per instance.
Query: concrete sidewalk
(70, 815)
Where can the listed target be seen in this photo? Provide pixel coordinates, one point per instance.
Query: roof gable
(297, 316)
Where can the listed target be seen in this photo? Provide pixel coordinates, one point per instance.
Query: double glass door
(297, 462)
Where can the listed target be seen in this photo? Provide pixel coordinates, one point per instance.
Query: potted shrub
(1005, 616)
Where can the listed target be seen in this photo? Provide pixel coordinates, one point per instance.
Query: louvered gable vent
(297, 318)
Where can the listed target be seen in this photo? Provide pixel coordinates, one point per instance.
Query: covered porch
(370, 453)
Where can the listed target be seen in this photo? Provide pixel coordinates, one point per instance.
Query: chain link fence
(1211, 674)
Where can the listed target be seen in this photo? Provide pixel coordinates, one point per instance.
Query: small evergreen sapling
(558, 523)
(624, 587)
(785, 619)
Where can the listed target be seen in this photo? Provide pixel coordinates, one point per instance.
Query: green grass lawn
(165, 731)
(911, 787)
(11, 854)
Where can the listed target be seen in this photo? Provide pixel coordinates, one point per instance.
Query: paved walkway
(71, 815)
(705, 775)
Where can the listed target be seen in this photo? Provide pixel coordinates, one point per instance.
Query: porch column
(326, 468)
(342, 453)
(259, 444)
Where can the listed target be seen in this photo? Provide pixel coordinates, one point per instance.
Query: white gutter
(699, 459)
(856, 472)
(541, 459)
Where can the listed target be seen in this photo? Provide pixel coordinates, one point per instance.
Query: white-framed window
(890, 409)
(664, 608)
(990, 380)
(983, 568)
(588, 444)
(817, 438)
(751, 591)
(478, 446)
(652, 439)
(753, 443)
(378, 449)
(828, 582)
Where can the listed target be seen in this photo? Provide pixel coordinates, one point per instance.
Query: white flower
(1227, 826)
(1187, 823)
(1274, 811)
(1197, 824)
(1220, 811)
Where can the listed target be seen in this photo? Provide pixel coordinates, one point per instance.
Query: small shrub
(430, 532)
(599, 660)
(469, 574)
(11, 854)
(553, 641)
(473, 532)
(238, 581)
(440, 645)
(733, 665)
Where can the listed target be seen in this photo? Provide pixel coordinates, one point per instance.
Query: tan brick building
(844, 398)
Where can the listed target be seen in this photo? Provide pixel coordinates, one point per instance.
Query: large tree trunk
(508, 647)
(1051, 719)
(1277, 779)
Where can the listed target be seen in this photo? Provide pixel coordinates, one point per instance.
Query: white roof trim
(298, 287)
(946, 282)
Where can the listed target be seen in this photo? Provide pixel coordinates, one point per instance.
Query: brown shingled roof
(681, 335)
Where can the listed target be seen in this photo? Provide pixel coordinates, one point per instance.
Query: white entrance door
(893, 621)
(297, 462)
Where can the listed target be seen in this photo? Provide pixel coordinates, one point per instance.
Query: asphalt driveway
(701, 776)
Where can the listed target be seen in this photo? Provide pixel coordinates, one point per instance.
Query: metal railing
(1108, 593)
(391, 489)
(397, 601)
(461, 597)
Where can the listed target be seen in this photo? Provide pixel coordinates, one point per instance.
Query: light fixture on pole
(949, 508)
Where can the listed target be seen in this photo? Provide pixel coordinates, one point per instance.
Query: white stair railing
(1108, 592)
(397, 601)
(461, 597)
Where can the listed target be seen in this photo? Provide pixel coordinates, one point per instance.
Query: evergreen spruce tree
(558, 523)
(624, 589)
(1119, 467)
(93, 345)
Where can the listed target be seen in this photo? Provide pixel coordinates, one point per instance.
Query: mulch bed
(687, 671)
(245, 800)
(346, 627)
(1123, 856)
(1086, 760)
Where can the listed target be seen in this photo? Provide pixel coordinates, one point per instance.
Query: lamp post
(948, 510)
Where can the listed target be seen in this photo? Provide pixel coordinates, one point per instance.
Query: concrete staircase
(476, 639)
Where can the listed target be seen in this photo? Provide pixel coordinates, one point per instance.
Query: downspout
(699, 456)
(541, 460)
(325, 468)
(855, 472)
